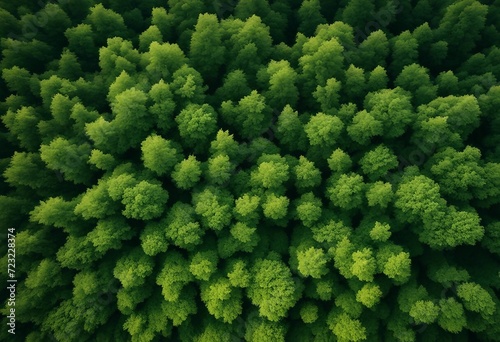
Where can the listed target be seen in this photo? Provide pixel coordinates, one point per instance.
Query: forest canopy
(253, 170)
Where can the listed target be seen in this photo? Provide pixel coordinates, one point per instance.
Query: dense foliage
(260, 170)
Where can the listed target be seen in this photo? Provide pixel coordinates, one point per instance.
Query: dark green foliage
(251, 170)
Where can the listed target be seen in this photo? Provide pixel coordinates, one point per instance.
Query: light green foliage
(246, 236)
(164, 60)
(347, 329)
(347, 191)
(398, 267)
(424, 311)
(152, 34)
(369, 295)
(275, 207)
(339, 161)
(328, 96)
(224, 143)
(187, 173)
(181, 226)
(309, 313)
(475, 298)
(306, 174)
(323, 130)
(159, 155)
(123, 82)
(364, 126)
(364, 264)
(458, 172)
(251, 170)
(355, 83)
(54, 211)
(173, 276)
(96, 203)
(101, 160)
(377, 162)
(272, 289)
(418, 197)
(451, 317)
(308, 209)
(133, 268)
(249, 116)
(380, 232)
(379, 194)
(109, 234)
(68, 158)
(153, 239)
(348, 303)
(312, 262)
(196, 124)
(377, 79)
(261, 329)
(163, 105)
(343, 257)
(22, 124)
(215, 208)
(245, 208)
(219, 169)
(206, 51)
(392, 108)
(290, 130)
(271, 174)
(203, 265)
(282, 89)
(187, 87)
(239, 275)
(144, 201)
(330, 232)
(222, 300)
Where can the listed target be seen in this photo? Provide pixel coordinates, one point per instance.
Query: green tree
(377, 162)
(328, 96)
(219, 169)
(206, 52)
(196, 124)
(451, 317)
(215, 207)
(181, 227)
(272, 289)
(250, 116)
(222, 300)
(347, 191)
(275, 207)
(290, 130)
(144, 201)
(163, 105)
(159, 155)
(68, 158)
(416, 80)
(475, 298)
(271, 174)
(364, 126)
(187, 173)
(323, 130)
(133, 268)
(424, 312)
(152, 34)
(369, 295)
(308, 209)
(312, 262)
(307, 175)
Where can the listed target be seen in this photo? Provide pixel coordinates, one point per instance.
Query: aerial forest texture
(283, 170)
